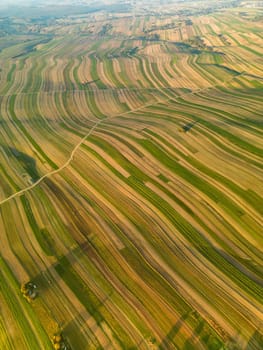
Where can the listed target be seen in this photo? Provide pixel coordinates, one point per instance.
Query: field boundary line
(80, 143)
(75, 149)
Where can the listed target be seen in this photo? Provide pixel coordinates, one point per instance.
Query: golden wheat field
(131, 178)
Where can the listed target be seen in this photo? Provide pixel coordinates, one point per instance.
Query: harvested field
(131, 175)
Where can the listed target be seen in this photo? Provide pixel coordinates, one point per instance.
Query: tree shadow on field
(87, 83)
(45, 279)
(79, 324)
(255, 342)
(187, 127)
(75, 329)
(168, 340)
(26, 162)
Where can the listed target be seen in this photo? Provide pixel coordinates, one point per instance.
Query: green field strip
(42, 235)
(109, 70)
(229, 100)
(158, 283)
(9, 79)
(111, 285)
(201, 71)
(143, 73)
(93, 105)
(15, 241)
(220, 72)
(134, 258)
(252, 224)
(108, 259)
(231, 138)
(22, 311)
(158, 247)
(5, 187)
(158, 75)
(37, 76)
(250, 196)
(151, 238)
(40, 122)
(68, 122)
(245, 94)
(148, 68)
(69, 85)
(75, 74)
(210, 190)
(8, 180)
(57, 228)
(90, 300)
(78, 255)
(199, 242)
(8, 341)
(236, 153)
(181, 204)
(94, 72)
(29, 78)
(123, 73)
(71, 130)
(239, 278)
(5, 342)
(26, 133)
(224, 116)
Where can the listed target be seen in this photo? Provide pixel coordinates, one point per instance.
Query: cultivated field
(131, 179)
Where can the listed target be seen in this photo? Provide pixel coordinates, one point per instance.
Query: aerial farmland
(131, 175)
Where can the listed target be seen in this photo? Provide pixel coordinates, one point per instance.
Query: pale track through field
(79, 144)
(152, 89)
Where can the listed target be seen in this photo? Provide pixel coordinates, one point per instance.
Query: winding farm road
(75, 149)
(78, 145)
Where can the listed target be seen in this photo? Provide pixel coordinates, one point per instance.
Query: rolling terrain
(131, 179)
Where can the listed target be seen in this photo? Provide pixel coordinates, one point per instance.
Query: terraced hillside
(131, 175)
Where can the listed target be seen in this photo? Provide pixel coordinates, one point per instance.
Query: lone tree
(28, 291)
(59, 342)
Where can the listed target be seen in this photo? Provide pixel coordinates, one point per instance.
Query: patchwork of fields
(131, 182)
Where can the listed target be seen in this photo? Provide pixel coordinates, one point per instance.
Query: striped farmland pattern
(131, 183)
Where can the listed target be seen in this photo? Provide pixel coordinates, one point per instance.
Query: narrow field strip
(75, 150)
(131, 178)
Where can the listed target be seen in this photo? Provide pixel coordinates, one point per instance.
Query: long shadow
(76, 219)
(73, 331)
(167, 341)
(189, 126)
(26, 162)
(256, 341)
(201, 334)
(196, 333)
(87, 83)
